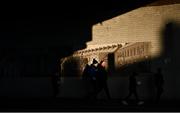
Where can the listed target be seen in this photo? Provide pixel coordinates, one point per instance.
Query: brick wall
(144, 24)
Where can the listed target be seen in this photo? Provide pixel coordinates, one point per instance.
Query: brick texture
(144, 24)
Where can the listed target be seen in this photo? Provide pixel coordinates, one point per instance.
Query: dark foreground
(58, 104)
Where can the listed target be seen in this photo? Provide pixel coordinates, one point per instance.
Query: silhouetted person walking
(102, 77)
(86, 77)
(93, 77)
(133, 89)
(132, 86)
(159, 82)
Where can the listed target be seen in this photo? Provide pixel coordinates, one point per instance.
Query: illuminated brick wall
(132, 53)
(144, 24)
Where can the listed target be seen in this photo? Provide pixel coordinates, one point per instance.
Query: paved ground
(47, 104)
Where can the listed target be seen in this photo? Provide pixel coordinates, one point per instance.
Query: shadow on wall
(168, 61)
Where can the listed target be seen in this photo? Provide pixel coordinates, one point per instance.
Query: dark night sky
(31, 23)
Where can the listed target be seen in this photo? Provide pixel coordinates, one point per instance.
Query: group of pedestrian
(97, 75)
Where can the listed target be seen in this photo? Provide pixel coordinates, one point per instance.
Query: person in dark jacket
(133, 89)
(102, 77)
(133, 86)
(93, 78)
